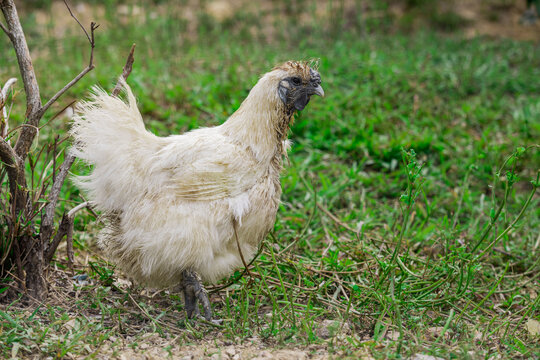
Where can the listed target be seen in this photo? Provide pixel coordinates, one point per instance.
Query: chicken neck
(261, 124)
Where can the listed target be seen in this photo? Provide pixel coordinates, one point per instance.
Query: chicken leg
(193, 292)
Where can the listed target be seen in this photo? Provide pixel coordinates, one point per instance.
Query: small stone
(392, 335)
(69, 325)
(425, 357)
(330, 328)
(533, 326)
(263, 355)
(230, 351)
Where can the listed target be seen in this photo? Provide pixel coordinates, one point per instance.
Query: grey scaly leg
(194, 291)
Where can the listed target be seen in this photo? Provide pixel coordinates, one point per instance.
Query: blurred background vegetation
(457, 81)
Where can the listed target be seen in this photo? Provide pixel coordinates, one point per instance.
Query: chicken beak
(318, 91)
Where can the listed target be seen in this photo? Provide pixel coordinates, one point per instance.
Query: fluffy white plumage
(172, 203)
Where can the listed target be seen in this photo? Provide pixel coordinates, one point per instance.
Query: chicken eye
(296, 81)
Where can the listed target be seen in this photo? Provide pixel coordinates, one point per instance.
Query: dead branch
(65, 229)
(6, 87)
(48, 218)
(4, 123)
(79, 207)
(90, 39)
(34, 110)
(3, 99)
(10, 160)
(58, 113)
(128, 67)
(31, 88)
(90, 67)
(69, 243)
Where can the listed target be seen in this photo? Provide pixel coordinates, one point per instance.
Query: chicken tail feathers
(109, 134)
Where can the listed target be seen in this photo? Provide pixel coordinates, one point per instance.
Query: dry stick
(69, 233)
(69, 85)
(47, 219)
(91, 40)
(335, 218)
(3, 27)
(16, 35)
(27, 136)
(58, 113)
(93, 27)
(89, 208)
(126, 71)
(155, 321)
(240, 250)
(219, 288)
(8, 157)
(31, 88)
(64, 229)
(11, 162)
(3, 98)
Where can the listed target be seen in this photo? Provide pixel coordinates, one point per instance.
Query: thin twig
(77, 208)
(10, 161)
(89, 207)
(65, 229)
(47, 218)
(145, 313)
(69, 244)
(66, 88)
(219, 288)
(240, 249)
(62, 231)
(58, 113)
(128, 67)
(78, 22)
(3, 98)
(3, 27)
(335, 218)
(91, 40)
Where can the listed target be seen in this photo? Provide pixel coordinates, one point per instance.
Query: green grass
(438, 245)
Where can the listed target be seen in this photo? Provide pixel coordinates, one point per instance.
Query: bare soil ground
(500, 21)
(139, 308)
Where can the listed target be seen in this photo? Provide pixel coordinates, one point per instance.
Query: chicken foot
(194, 292)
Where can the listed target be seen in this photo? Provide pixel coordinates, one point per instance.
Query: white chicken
(189, 204)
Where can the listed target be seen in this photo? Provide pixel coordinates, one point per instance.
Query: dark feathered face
(295, 91)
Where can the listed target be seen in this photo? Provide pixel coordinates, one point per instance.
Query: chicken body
(186, 202)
